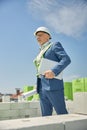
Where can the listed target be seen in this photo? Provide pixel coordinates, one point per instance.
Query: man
(51, 89)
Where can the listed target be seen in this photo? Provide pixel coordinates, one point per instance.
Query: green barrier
(27, 89)
(78, 85)
(35, 97)
(68, 90)
(85, 84)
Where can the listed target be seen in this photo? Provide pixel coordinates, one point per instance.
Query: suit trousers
(50, 99)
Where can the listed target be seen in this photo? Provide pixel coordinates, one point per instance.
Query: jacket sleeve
(63, 58)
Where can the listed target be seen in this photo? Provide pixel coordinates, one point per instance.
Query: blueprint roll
(29, 94)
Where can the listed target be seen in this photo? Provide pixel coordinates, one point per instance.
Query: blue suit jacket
(56, 53)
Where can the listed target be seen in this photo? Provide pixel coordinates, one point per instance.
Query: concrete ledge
(76, 125)
(56, 122)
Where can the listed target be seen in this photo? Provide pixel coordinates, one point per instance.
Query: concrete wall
(14, 110)
(80, 102)
(25, 109)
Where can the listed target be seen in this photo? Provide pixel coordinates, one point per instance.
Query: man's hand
(49, 74)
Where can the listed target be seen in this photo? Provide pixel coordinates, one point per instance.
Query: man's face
(42, 37)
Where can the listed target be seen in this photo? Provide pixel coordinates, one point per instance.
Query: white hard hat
(42, 29)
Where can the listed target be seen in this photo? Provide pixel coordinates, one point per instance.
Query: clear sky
(67, 22)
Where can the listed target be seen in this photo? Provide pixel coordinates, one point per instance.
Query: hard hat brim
(35, 33)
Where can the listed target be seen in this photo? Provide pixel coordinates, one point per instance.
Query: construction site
(25, 114)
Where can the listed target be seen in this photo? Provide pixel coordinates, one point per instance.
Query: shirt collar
(44, 45)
